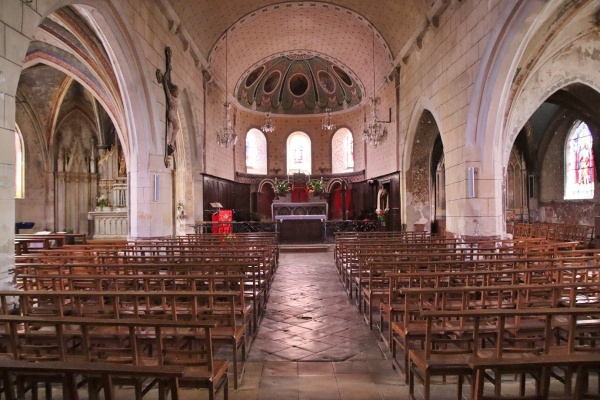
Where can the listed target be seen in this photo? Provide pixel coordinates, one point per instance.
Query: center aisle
(309, 316)
(313, 344)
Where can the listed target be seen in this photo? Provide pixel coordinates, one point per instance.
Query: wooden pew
(474, 272)
(168, 305)
(10, 369)
(138, 342)
(411, 328)
(147, 282)
(444, 353)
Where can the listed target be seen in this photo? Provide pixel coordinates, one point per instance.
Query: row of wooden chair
(135, 348)
(507, 341)
(157, 279)
(584, 234)
(381, 273)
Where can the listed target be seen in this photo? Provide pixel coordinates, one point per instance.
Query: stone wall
(552, 207)
(440, 77)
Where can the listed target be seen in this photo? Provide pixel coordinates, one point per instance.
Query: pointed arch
(422, 105)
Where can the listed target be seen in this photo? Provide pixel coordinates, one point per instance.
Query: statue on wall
(172, 95)
(122, 164)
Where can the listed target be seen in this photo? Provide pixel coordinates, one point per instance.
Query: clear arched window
(342, 151)
(19, 165)
(579, 160)
(256, 152)
(298, 153)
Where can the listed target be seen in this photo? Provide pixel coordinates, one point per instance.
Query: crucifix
(172, 96)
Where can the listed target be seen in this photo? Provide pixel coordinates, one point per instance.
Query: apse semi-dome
(302, 84)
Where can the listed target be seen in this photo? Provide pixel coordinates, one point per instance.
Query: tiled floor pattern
(309, 317)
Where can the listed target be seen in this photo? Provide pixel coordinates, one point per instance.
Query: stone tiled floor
(309, 317)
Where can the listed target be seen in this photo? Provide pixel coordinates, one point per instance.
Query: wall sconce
(156, 187)
(471, 174)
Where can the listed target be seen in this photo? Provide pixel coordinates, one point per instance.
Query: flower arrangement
(281, 187)
(102, 201)
(382, 214)
(315, 186)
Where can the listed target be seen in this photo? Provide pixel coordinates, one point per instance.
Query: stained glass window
(342, 151)
(298, 153)
(19, 165)
(256, 152)
(579, 160)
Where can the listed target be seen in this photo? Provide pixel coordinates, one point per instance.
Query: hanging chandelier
(226, 136)
(374, 132)
(269, 125)
(328, 124)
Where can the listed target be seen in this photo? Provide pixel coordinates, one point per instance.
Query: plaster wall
(320, 139)
(383, 159)
(219, 160)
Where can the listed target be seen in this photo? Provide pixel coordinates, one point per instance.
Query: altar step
(305, 248)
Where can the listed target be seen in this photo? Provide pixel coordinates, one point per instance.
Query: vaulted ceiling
(361, 37)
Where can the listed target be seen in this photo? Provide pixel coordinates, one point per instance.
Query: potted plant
(101, 202)
(315, 186)
(281, 187)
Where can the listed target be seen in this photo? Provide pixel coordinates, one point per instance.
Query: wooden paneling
(232, 195)
(364, 197)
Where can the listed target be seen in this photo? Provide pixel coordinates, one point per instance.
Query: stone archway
(419, 206)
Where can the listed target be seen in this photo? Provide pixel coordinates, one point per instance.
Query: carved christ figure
(172, 96)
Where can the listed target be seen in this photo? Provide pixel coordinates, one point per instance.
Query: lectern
(223, 219)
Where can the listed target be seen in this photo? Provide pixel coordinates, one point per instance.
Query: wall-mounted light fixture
(471, 174)
(156, 187)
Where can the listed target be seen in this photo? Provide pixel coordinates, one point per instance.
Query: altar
(303, 210)
(109, 224)
(302, 222)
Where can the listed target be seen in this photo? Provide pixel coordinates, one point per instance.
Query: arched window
(342, 151)
(19, 165)
(579, 163)
(256, 152)
(298, 153)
